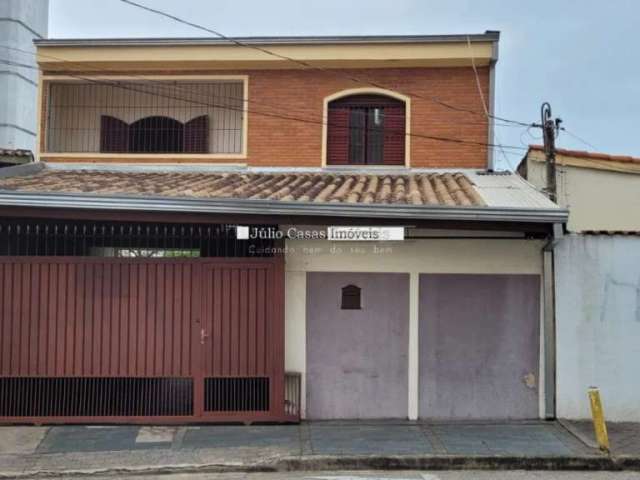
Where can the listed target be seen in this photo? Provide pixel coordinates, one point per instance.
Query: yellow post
(599, 424)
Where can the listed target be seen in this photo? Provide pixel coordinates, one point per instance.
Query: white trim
(413, 256)
(413, 393)
(141, 77)
(361, 91)
(177, 157)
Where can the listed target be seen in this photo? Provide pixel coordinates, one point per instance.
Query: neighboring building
(597, 280)
(21, 21)
(151, 304)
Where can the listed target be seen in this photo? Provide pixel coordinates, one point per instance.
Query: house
(597, 279)
(186, 235)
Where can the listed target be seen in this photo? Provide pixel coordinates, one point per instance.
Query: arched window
(366, 129)
(155, 134)
(351, 298)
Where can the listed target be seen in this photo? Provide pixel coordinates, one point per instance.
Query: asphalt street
(413, 475)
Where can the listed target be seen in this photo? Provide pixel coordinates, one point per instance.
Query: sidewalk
(117, 450)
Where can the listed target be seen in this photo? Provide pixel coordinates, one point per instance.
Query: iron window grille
(44, 237)
(144, 117)
(366, 129)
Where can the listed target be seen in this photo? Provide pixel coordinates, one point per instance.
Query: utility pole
(550, 128)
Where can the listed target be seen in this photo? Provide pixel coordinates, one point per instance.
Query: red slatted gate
(86, 339)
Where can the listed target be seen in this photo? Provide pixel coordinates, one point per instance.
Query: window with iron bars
(107, 116)
(43, 237)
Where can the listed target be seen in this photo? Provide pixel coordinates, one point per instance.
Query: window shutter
(196, 135)
(338, 136)
(394, 135)
(114, 135)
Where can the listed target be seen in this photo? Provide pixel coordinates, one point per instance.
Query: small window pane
(357, 130)
(375, 136)
(351, 298)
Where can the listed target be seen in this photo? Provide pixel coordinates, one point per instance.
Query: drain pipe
(550, 321)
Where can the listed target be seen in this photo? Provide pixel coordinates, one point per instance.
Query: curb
(329, 463)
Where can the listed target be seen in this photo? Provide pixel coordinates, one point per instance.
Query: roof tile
(453, 189)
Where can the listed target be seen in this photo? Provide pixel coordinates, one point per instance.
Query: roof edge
(278, 207)
(583, 154)
(488, 36)
(21, 170)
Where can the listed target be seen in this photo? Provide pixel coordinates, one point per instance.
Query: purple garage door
(479, 346)
(357, 358)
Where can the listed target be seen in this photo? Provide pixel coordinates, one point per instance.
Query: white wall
(411, 256)
(597, 199)
(598, 325)
(20, 22)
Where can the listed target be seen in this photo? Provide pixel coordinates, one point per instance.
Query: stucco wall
(597, 199)
(598, 325)
(411, 256)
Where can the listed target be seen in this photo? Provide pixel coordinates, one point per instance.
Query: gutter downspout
(549, 321)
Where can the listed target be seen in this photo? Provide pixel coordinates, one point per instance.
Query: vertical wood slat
(111, 318)
(80, 318)
(245, 328)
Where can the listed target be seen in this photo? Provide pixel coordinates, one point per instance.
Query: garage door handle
(203, 335)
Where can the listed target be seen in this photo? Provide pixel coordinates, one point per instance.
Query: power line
(484, 103)
(304, 64)
(578, 138)
(17, 64)
(163, 85)
(284, 117)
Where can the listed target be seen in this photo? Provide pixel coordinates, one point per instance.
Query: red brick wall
(279, 142)
(300, 93)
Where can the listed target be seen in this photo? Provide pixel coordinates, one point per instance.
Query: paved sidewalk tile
(20, 440)
(522, 440)
(233, 436)
(336, 439)
(68, 438)
(156, 434)
(624, 437)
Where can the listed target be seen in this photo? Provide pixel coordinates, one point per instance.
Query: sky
(579, 55)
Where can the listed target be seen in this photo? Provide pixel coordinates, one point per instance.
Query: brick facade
(279, 142)
(300, 93)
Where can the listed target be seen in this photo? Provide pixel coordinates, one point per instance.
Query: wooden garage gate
(85, 339)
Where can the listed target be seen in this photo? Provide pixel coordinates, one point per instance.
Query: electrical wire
(163, 84)
(281, 116)
(308, 65)
(573, 135)
(17, 64)
(484, 103)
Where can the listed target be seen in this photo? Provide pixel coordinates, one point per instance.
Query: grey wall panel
(357, 359)
(479, 346)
